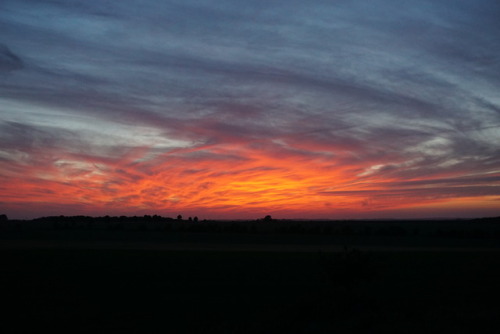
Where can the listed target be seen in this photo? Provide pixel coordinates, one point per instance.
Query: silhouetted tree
(268, 218)
(3, 218)
(179, 217)
(195, 219)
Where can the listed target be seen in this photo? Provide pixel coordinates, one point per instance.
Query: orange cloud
(232, 181)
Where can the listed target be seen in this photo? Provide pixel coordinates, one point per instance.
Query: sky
(239, 109)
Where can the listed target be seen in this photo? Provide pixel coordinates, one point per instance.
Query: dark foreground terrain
(81, 280)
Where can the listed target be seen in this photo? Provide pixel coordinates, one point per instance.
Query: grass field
(150, 291)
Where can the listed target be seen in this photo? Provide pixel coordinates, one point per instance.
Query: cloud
(230, 104)
(8, 60)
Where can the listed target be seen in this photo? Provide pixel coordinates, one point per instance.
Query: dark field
(250, 277)
(148, 291)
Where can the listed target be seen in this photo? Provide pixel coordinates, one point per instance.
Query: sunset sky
(239, 109)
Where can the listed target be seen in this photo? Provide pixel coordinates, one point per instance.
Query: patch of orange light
(255, 181)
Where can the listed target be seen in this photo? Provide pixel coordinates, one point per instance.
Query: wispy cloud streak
(232, 109)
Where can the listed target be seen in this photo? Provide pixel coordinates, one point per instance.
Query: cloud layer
(236, 109)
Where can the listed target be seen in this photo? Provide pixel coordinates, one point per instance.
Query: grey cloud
(31, 138)
(366, 82)
(8, 60)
